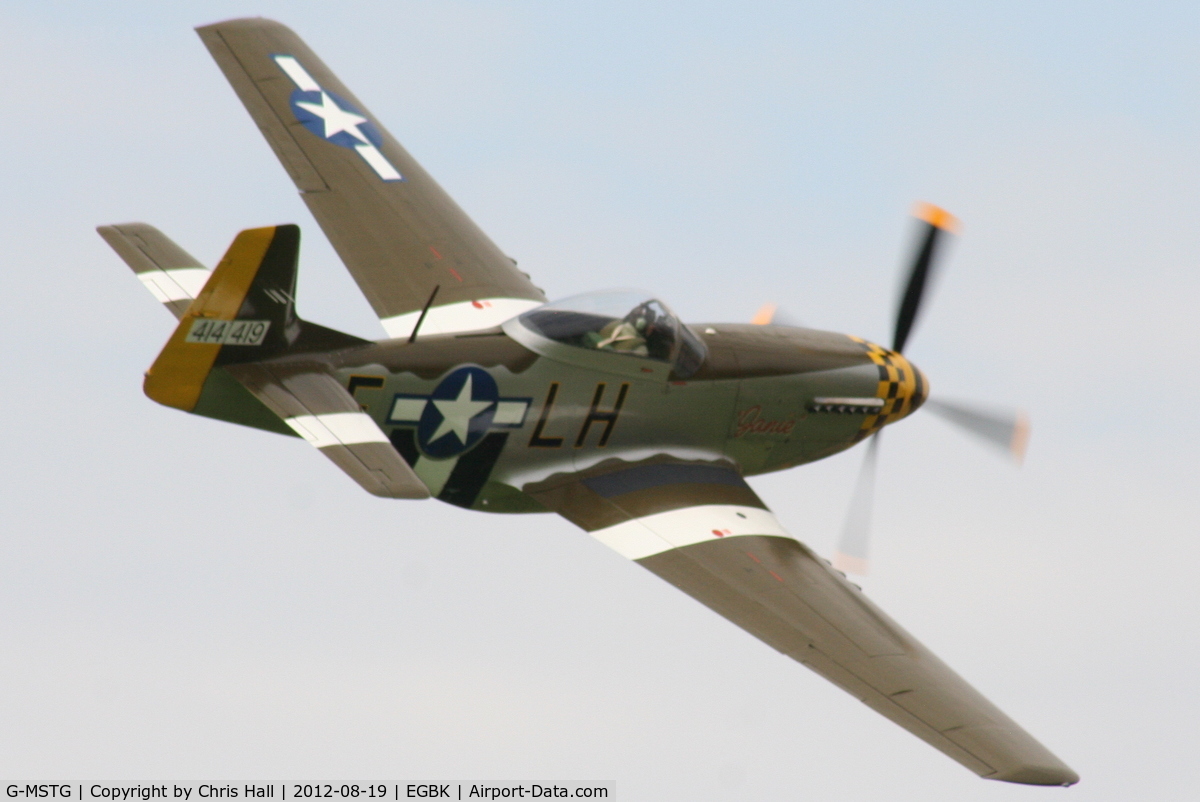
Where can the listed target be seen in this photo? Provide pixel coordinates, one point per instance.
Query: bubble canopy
(625, 322)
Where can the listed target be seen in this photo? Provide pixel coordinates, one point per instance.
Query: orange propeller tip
(937, 217)
(1020, 438)
(849, 564)
(764, 315)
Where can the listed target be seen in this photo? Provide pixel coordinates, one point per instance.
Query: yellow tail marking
(177, 376)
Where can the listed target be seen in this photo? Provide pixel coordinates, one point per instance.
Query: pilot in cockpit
(640, 333)
(624, 336)
(621, 322)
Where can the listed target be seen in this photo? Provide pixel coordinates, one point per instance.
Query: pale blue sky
(160, 622)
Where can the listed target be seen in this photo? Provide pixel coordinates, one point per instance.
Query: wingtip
(937, 217)
(1061, 775)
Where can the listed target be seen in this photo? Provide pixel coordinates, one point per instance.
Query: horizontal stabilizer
(314, 404)
(171, 274)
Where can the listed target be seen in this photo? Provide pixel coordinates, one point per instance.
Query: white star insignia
(457, 413)
(336, 118)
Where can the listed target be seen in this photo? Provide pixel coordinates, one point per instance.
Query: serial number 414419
(228, 332)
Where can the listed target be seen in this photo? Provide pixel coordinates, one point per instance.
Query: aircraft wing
(699, 526)
(400, 235)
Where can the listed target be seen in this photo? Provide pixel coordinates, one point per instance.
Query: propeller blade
(765, 314)
(1008, 430)
(851, 552)
(773, 315)
(936, 221)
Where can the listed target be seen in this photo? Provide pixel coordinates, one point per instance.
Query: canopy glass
(625, 322)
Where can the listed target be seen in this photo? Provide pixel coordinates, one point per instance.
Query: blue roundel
(333, 119)
(458, 412)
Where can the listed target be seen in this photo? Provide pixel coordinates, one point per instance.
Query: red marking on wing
(435, 252)
(454, 273)
(777, 576)
(476, 304)
(752, 557)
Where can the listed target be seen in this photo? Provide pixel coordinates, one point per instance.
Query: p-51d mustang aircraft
(603, 407)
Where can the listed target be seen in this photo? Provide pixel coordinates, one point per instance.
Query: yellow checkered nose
(922, 391)
(902, 387)
(919, 385)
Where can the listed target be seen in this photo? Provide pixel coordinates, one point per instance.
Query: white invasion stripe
(510, 413)
(382, 167)
(462, 316)
(178, 284)
(300, 77)
(163, 297)
(337, 428)
(663, 531)
(353, 427)
(407, 409)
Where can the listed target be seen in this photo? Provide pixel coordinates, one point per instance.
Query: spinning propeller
(1007, 430)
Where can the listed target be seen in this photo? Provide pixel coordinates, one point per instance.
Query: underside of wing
(701, 528)
(404, 240)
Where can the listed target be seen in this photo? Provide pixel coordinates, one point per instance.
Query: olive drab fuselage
(761, 400)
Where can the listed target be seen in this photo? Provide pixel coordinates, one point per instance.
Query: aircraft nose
(920, 389)
(902, 387)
